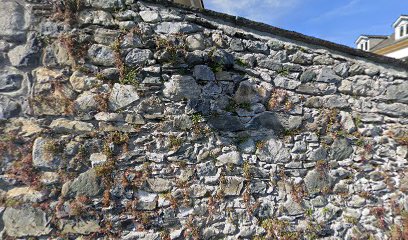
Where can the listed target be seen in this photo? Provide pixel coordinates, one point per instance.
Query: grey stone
(195, 42)
(138, 57)
(273, 151)
(247, 93)
(62, 125)
(341, 149)
(27, 55)
(270, 64)
(159, 185)
(398, 92)
(318, 181)
(150, 16)
(226, 123)
(302, 58)
(224, 58)
(206, 169)
(45, 155)
(146, 201)
(317, 88)
(293, 208)
(101, 55)
(307, 76)
(84, 227)
(248, 146)
(87, 184)
(393, 109)
(203, 72)
(286, 83)
(11, 79)
(106, 36)
(122, 96)
(268, 120)
(318, 154)
(181, 87)
(26, 221)
(236, 45)
(13, 21)
(327, 75)
(86, 103)
(232, 186)
(229, 158)
(359, 86)
(81, 82)
(98, 159)
(323, 60)
(105, 4)
(9, 108)
(96, 17)
(347, 122)
(198, 191)
(256, 46)
(342, 69)
(176, 27)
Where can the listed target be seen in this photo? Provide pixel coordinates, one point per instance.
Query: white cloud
(261, 10)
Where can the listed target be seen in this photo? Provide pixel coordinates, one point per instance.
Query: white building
(395, 45)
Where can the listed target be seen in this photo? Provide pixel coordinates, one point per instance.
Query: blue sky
(340, 21)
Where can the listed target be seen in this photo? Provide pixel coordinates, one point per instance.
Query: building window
(366, 46)
(401, 31)
(406, 29)
(362, 46)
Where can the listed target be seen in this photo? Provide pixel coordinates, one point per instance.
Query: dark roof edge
(243, 22)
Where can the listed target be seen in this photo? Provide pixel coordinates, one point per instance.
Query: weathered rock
(181, 87)
(273, 151)
(80, 227)
(122, 96)
(27, 55)
(286, 83)
(150, 16)
(229, 158)
(81, 82)
(101, 55)
(176, 27)
(159, 185)
(138, 57)
(97, 17)
(341, 149)
(66, 126)
(46, 154)
(13, 21)
(203, 72)
(87, 184)
(226, 123)
(9, 108)
(195, 42)
(327, 75)
(105, 4)
(398, 92)
(347, 122)
(26, 221)
(146, 201)
(318, 181)
(11, 79)
(232, 186)
(98, 159)
(393, 109)
(247, 93)
(267, 120)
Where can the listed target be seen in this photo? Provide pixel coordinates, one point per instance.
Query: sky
(339, 21)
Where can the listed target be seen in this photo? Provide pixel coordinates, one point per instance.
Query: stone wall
(147, 120)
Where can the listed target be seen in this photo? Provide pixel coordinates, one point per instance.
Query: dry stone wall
(147, 120)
